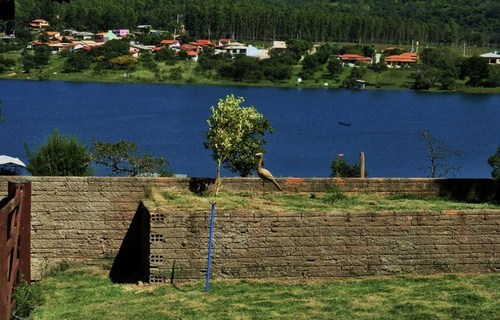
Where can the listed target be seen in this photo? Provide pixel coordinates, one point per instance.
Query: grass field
(88, 295)
(307, 202)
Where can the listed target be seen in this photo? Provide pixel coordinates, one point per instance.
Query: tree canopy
(235, 135)
(59, 156)
(445, 21)
(123, 159)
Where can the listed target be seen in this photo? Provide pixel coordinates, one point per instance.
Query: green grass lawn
(88, 294)
(306, 202)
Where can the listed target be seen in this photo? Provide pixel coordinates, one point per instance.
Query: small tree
(59, 156)
(235, 135)
(42, 56)
(28, 61)
(494, 162)
(77, 61)
(439, 156)
(334, 67)
(122, 158)
(476, 70)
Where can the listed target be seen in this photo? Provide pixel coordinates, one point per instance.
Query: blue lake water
(170, 121)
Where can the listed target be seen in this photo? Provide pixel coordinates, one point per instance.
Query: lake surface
(170, 121)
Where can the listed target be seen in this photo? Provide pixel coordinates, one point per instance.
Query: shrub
(123, 62)
(59, 156)
(494, 162)
(77, 61)
(342, 169)
(334, 194)
(27, 298)
(6, 63)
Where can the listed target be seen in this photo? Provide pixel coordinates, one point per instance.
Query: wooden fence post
(15, 243)
(4, 304)
(25, 234)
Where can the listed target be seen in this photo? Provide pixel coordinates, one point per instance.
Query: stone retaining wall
(87, 219)
(323, 245)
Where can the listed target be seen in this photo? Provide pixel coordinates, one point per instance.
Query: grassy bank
(391, 79)
(88, 294)
(307, 202)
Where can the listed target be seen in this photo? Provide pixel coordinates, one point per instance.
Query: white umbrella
(11, 160)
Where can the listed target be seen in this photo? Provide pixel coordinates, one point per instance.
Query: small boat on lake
(345, 124)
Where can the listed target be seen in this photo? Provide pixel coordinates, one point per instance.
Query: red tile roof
(203, 43)
(409, 57)
(354, 57)
(168, 42)
(189, 47)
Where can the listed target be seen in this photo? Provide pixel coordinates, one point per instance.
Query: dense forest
(387, 21)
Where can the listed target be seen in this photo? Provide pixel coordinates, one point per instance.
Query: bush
(494, 162)
(59, 156)
(77, 61)
(342, 169)
(175, 74)
(27, 298)
(123, 62)
(334, 194)
(6, 63)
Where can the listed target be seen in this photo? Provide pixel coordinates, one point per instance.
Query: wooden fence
(15, 234)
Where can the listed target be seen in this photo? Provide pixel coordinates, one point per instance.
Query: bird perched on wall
(265, 174)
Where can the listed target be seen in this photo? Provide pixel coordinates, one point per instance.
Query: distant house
(106, 36)
(279, 45)
(39, 24)
(122, 33)
(190, 47)
(223, 42)
(257, 53)
(83, 35)
(235, 48)
(203, 43)
(193, 55)
(56, 46)
(401, 60)
(144, 27)
(87, 45)
(141, 47)
(191, 50)
(173, 44)
(493, 57)
(354, 58)
(54, 35)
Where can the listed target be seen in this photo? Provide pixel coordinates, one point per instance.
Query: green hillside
(390, 21)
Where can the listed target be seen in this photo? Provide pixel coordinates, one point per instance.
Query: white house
(279, 45)
(235, 48)
(493, 57)
(257, 53)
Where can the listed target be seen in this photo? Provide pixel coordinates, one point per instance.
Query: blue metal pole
(208, 274)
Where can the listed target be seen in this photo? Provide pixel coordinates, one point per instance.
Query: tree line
(432, 21)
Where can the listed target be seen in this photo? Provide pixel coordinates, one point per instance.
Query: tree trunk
(218, 181)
